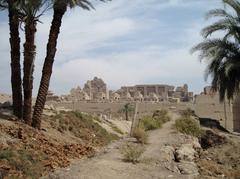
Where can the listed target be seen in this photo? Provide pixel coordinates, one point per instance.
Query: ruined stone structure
(155, 93)
(96, 89)
(208, 107)
(52, 97)
(76, 94)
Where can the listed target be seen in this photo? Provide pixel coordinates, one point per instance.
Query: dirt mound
(211, 139)
(220, 158)
(26, 152)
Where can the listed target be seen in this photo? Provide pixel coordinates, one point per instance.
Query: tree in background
(127, 108)
(223, 54)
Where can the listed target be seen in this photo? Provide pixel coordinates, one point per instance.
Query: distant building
(96, 90)
(156, 93)
(52, 97)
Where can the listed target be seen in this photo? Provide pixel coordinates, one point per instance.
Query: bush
(188, 125)
(187, 113)
(140, 135)
(132, 153)
(82, 126)
(161, 116)
(156, 121)
(116, 129)
(148, 123)
(30, 163)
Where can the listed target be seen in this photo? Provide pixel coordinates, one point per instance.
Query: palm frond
(3, 4)
(219, 13)
(31, 10)
(234, 4)
(229, 25)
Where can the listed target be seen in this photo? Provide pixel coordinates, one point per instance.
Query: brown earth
(222, 158)
(219, 160)
(26, 152)
(110, 163)
(69, 136)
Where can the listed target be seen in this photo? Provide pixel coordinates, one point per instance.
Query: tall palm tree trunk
(15, 60)
(59, 11)
(29, 56)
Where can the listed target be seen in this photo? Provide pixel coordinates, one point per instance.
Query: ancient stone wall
(146, 108)
(209, 107)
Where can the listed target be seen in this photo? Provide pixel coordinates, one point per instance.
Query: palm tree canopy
(3, 4)
(31, 10)
(228, 22)
(28, 9)
(85, 4)
(223, 54)
(127, 108)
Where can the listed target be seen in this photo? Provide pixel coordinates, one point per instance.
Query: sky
(124, 42)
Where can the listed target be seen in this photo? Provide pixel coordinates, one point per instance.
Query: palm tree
(59, 9)
(127, 108)
(14, 40)
(29, 15)
(223, 54)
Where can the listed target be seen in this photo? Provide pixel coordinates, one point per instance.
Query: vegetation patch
(161, 116)
(187, 113)
(132, 153)
(29, 163)
(116, 129)
(189, 126)
(140, 135)
(31, 153)
(82, 126)
(156, 121)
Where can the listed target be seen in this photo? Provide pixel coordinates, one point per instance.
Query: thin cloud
(124, 42)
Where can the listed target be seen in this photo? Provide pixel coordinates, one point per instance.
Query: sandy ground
(109, 164)
(4, 98)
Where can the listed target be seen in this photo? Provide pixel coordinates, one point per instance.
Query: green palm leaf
(222, 55)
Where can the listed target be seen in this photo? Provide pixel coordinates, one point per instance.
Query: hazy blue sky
(125, 42)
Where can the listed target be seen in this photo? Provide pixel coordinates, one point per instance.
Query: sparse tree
(127, 108)
(59, 9)
(223, 54)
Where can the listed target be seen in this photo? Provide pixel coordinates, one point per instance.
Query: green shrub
(148, 123)
(132, 153)
(161, 116)
(188, 125)
(156, 121)
(28, 162)
(140, 135)
(116, 129)
(187, 113)
(82, 126)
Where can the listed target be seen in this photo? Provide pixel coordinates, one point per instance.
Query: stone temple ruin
(95, 97)
(154, 93)
(96, 90)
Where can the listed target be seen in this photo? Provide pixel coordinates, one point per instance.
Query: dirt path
(109, 164)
